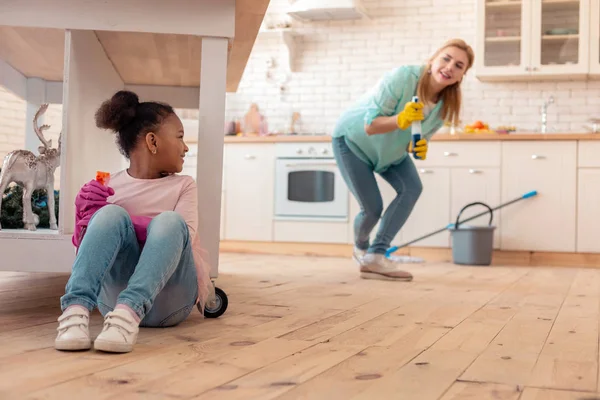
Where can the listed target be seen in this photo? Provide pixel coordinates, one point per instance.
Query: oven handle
(330, 164)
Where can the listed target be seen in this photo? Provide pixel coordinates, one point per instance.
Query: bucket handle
(474, 204)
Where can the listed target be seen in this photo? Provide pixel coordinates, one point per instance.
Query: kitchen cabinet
(546, 222)
(588, 197)
(432, 209)
(249, 188)
(534, 39)
(588, 212)
(469, 185)
(595, 39)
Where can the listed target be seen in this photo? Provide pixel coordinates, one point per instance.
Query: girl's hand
(91, 197)
(412, 112)
(420, 150)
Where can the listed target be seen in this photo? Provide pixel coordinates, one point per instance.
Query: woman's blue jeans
(360, 178)
(158, 282)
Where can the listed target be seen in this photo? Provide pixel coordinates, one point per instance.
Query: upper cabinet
(595, 38)
(536, 39)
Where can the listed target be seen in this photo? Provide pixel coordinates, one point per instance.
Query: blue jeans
(360, 178)
(158, 282)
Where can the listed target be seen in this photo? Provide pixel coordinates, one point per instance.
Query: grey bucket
(472, 245)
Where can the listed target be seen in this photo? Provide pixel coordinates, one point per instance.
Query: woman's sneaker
(358, 254)
(73, 330)
(377, 266)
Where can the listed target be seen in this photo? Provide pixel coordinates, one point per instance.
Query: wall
(12, 122)
(337, 61)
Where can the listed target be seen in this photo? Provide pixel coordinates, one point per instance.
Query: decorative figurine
(33, 172)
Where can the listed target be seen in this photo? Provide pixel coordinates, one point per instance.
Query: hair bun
(117, 112)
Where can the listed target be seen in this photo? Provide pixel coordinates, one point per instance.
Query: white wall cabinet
(546, 222)
(595, 39)
(536, 39)
(249, 187)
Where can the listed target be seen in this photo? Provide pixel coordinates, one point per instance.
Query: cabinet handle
(537, 157)
(249, 157)
(425, 171)
(474, 171)
(448, 154)
(527, 68)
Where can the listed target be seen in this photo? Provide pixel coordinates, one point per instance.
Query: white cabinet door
(595, 38)
(249, 184)
(432, 210)
(476, 185)
(546, 222)
(588, 211)
(560, 37)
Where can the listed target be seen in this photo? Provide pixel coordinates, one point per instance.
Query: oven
(308, 183)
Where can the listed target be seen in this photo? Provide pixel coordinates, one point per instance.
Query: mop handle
(525, 196)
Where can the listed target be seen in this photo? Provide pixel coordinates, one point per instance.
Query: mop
(449, 226)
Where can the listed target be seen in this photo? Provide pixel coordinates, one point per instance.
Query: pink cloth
(144, 199)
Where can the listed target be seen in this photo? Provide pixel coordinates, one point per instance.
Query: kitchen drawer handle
(449, 153)
(475, 171)
(249, 157)
(537, 157)
(425, 171)
(323, 164)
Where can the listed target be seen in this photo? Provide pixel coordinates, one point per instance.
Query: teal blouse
(387, 98)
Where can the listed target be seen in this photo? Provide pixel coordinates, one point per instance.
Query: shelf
(503, 5)
(503, 39)
(560, 37)
(25, 234)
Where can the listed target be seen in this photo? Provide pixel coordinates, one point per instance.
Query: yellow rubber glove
(420, 150)
(412, 112)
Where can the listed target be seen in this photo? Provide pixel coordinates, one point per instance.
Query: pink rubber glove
(91, 197)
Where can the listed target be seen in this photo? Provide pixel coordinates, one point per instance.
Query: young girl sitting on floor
(138, 256)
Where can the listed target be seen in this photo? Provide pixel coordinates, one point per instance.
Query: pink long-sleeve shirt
(150, 197)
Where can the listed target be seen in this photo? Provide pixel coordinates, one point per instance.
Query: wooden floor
(310, 328)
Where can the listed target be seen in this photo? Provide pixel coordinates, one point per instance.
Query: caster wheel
(218, 307)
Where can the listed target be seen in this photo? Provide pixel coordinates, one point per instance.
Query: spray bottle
(416, 131)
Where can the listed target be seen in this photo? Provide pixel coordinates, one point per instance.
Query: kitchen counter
(441, 137)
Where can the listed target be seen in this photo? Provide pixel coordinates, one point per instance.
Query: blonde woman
(374, 136)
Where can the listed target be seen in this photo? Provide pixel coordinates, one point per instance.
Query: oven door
(310, 188)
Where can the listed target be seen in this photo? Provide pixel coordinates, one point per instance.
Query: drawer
(588, 153)
(463, 154)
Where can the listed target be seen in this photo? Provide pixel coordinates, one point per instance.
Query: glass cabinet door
(561, 36)
(595, 38)
(503, 39)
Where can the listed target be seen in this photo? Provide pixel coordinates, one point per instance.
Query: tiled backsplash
(338, 61)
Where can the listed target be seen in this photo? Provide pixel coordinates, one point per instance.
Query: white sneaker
(119, 333)
(358, 254)
(377, 266)
(73, 330)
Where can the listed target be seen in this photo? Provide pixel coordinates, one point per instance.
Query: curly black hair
(130, 119)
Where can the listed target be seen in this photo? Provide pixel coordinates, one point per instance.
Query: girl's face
(449, 66)
(169, 145)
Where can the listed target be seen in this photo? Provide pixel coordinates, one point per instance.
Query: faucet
(545, 113)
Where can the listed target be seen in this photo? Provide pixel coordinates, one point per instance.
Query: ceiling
(139, 58)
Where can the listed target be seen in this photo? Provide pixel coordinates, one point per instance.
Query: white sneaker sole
(376, 276)
(73, 344)
(112, 347)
